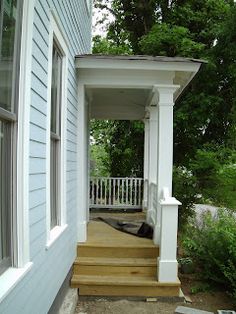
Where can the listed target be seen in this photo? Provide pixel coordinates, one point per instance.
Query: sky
(100, 29)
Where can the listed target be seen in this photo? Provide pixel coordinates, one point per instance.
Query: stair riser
(107, 270)
(88, 251)
(127, 291)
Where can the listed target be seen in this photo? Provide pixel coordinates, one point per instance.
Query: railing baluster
(122, 191)
(114, 190)
(92, 192)
(131, 190)
(118, 191)
(139, 191)
(127, 191)
(110, 191)
(97, 187)
(135, 191)
(99, 190)
(105, 191)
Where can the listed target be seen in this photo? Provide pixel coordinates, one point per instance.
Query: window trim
(56, 34)
(10, 278)
(55, 140)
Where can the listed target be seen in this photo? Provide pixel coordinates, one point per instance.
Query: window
(56, 132)
(10, 18)
(55, 161)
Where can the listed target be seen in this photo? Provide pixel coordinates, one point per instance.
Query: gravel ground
(208, 301)
(102, 306)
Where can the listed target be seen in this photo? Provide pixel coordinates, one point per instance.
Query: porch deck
(114, 263)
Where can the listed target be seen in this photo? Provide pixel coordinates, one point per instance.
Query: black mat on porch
(139, 229)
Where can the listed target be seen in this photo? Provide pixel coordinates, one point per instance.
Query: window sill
(10, 278)
(55, 233)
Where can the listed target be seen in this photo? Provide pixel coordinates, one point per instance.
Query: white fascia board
(186, 83)
(136, 65)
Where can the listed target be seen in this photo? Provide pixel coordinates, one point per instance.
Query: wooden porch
(114, 263)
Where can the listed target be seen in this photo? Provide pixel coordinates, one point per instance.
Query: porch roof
(122, 86)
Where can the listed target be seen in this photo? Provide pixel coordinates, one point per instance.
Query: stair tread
(110, 244)
(116, 261)
(120, 281)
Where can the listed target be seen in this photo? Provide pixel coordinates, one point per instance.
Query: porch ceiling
(120, 87)
(118, 103)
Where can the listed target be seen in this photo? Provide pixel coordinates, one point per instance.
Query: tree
(205, 114)
(190, 29)
(118, 146)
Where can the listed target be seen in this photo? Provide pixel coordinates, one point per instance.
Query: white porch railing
(116, 192)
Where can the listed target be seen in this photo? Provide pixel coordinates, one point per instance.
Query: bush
(212, 246)
(184, 189)
(215, 170)
(226, 191)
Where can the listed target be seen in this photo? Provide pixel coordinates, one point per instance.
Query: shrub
(184, 189)
(215, 170)
(226, 191)
(212, 246)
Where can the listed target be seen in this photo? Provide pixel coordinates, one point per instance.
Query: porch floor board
(100, 233)
(114, 263)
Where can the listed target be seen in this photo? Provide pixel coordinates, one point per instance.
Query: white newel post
(152, 171)
(168, 265)
(82, 154)
(146, 163)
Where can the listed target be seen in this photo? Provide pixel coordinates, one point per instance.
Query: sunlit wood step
(112, 251)
(123, 286)
(115, 266)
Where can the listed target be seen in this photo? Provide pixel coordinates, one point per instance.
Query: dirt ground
(208, 301)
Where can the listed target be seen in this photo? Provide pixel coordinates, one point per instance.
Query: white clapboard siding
(37, 290)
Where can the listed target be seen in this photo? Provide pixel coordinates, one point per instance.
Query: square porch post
(146, 162)
(152, 159)
(164, 141)
(165, 232)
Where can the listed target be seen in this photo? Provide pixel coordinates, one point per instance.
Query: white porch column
(152, 169)
(82, 153)
(146, 163)
(165, 146)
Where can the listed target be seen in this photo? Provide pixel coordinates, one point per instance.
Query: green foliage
(215, 170)
(212, 246)
(184, 189)
(106, 46)
(200, 287)
(122, 146)
(226, 192)
(170, 41)
(99, 161)
(126, 149)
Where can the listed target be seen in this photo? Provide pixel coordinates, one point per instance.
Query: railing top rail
(124, 178)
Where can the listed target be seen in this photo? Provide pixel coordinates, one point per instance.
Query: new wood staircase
(112, 263)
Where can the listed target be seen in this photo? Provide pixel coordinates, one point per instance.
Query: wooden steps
(112, 251)
(115, 266)
(123, 286)
(112, 263)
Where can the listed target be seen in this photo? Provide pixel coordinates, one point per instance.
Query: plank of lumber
(123, 281)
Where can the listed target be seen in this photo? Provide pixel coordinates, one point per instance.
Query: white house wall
(35, 292)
